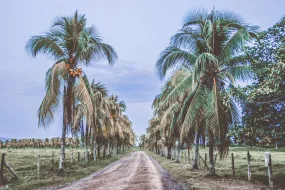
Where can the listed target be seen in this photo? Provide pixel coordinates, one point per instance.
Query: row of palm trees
(195, 105)
(86, 107)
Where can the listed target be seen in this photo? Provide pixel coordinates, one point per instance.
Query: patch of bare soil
(137, 171)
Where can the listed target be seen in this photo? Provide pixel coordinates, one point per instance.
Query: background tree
(264, 101)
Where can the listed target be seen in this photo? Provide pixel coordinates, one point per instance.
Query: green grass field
(24, 163)
(198, 179)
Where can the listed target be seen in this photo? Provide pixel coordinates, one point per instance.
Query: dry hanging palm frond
(82, 93)
(50, 104)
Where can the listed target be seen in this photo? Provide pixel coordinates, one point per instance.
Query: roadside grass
(24, 163)
(199, 179)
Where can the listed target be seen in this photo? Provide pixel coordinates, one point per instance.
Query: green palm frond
(234, 44)
(236, 61)
(123, 106)
(195, 17)
(214, 110)
(243, 72)
(205, 61)
(197, 100)
(189, 39)
(207, 33)
(47, 45)
(183, 87)
(171, 57)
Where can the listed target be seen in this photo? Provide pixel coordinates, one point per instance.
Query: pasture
(24, 163)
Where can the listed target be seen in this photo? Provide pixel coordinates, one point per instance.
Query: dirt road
(137, 171)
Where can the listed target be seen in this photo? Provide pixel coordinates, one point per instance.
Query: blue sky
(138, 29)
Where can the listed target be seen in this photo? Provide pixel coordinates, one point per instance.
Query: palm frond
(47, 45)
(171, 57)
(82, 92)
(50, 104)
(195, 17)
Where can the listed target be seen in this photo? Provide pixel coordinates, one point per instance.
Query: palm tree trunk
(195, 164)
(169, 151)
(86, 153)
(104, 151)
(109, 149)
(113, 149)
(94, 149)
(62, 150)
(98, 150)
(211, 153)
(156, 148)
(94, 152)
(178, 154)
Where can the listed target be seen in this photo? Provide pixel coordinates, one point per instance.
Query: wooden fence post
(1, 169)
(78, 156)
(199, 160)
(205, 160)
(38, 166)
(52, 158)
(71, 156)
(233, 165)
(248, 167)
(11, 170)
(188, 156)
(87, 156)
(270, 172)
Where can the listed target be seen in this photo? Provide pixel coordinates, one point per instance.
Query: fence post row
(185, 157)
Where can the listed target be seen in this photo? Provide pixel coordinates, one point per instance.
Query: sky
(138, 30)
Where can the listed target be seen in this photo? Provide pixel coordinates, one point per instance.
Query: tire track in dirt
(135, 172)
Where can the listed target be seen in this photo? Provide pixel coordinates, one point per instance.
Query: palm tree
(210, 45)
(142, 141)
(70, 43)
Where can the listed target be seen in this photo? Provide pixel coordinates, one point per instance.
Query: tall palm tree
(210, 45)
(70, 43)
